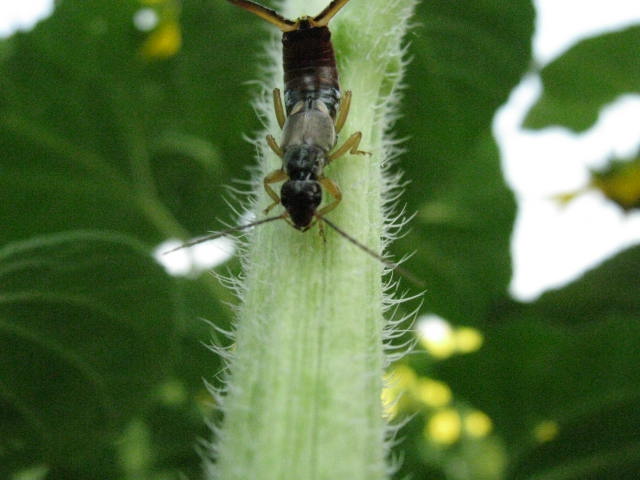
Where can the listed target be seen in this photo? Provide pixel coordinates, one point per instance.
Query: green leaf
(105, 139)
(81, 352)
(601, 442)
(569, 358)
(468, 56)
(582, 81)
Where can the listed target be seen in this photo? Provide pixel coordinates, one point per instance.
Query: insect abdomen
(310, 68)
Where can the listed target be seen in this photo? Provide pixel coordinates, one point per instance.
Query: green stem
(303, 395)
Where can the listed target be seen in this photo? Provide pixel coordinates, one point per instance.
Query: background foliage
(114, 139)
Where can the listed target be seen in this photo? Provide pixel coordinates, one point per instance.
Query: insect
(313, 113)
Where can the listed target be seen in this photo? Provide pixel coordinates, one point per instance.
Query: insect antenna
(222, 233)
(322, 19)
(271, 16)
(392, 265)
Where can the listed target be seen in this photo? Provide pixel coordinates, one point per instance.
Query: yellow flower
(546, 431)
(164, 42)
(436, 336)
(477, 424)
(444, 427)
(397, 381)
(432, 392)
(467, 339)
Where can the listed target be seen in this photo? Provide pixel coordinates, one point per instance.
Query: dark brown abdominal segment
(310, 68)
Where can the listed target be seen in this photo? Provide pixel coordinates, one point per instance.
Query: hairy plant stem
(302, 398)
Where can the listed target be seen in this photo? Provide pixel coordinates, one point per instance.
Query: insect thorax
(310, 123)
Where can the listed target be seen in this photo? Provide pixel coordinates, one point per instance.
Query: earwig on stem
(313, 114)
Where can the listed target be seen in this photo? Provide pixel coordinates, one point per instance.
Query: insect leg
(332, 189)
(323, 18)
(267, 14)
(277, 105)
(273, 177)
(350, 145)
(274, 146)
(345, 104)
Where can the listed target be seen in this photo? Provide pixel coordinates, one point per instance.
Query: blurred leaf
(571, 357)
(602, 442)
(95, 137)
(468, 56)
(80, 352)
(587, 77)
